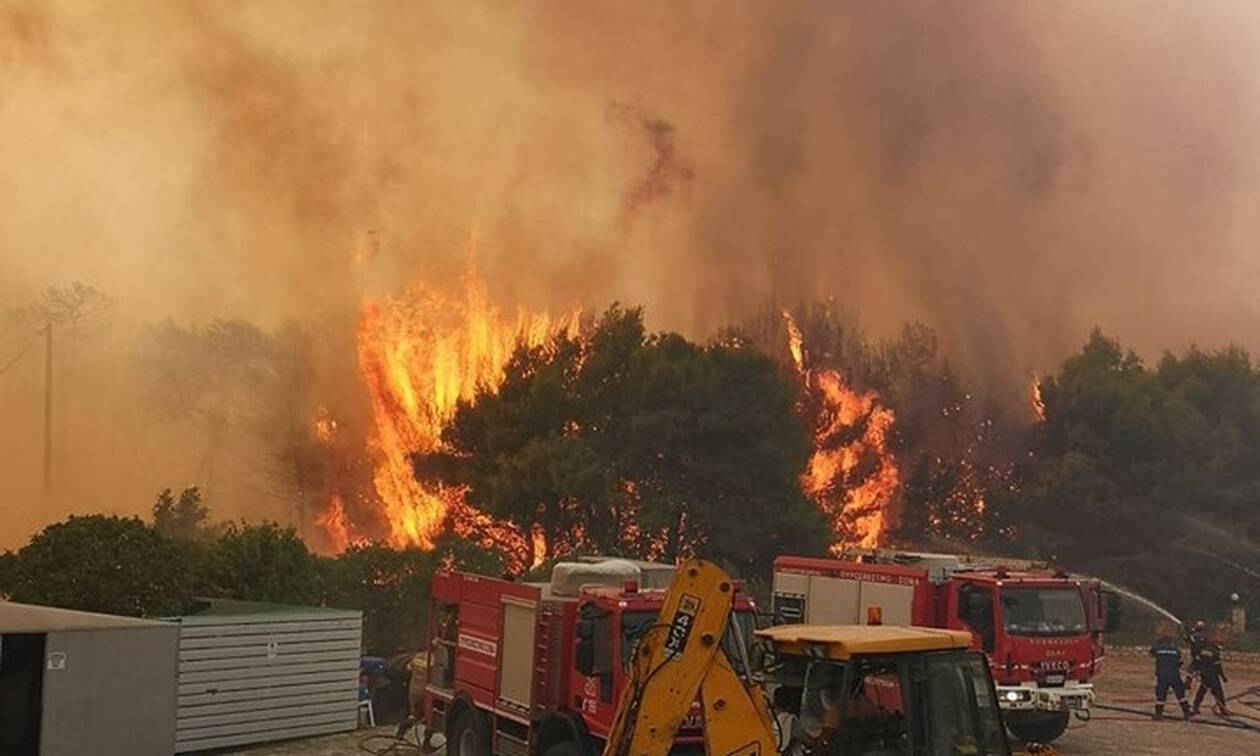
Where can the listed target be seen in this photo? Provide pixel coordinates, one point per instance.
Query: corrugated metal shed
(79, 682)
(252, 672)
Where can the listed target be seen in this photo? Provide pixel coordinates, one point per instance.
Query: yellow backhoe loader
(813, 691)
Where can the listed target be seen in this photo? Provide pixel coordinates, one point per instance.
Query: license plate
(1055, 679)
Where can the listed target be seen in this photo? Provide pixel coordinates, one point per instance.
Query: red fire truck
(533, 668)
(1041, 629)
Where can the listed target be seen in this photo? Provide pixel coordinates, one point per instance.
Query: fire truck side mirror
(584, 656)
(584, 648)
(1111, 611)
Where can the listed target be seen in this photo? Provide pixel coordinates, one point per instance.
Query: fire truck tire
(470, 735)
(1037, 726)
(564, 748)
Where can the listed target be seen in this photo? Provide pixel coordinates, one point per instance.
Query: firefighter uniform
(1198, 640)
(1168, 675)
(1211, 675)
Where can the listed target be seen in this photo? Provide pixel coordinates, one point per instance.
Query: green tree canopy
(391, 587)
(1149, 476)
(260, 563)
(637, 444)
(101, 563)
(184, 519)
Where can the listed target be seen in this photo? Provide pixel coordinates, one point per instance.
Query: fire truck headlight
(1012, 696)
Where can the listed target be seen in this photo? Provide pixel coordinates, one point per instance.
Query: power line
(21, 353)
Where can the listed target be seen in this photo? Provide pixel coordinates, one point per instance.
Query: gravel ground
(1127, 683)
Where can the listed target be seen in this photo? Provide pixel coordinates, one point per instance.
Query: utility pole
(48, 415)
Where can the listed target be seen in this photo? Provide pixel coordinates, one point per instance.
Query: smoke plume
(1009, 173)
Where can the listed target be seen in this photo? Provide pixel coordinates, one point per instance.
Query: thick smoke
(1009, 173)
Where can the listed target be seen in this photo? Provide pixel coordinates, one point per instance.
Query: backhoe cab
(880, 691)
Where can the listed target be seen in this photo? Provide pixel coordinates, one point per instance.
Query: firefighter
(443, 646)
(1211, 675)
(1198, 639)
(1168, 674)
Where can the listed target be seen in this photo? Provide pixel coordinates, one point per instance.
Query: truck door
(975, 611)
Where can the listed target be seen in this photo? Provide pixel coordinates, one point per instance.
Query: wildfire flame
(336, 524)
(325, 426)
(1037, 401)
(852, 474)
(419, 356)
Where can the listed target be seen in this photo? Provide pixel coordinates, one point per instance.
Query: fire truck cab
(538, 668)
(1041, 629)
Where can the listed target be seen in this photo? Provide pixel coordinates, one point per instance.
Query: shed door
(518, 652)
(21, 692)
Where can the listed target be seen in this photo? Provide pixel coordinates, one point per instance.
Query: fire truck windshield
(1043, 611)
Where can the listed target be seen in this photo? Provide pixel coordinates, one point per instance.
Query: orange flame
(336, 525)
(796, 343)
(852, 474)
(325, 425)
(420, 356)
(539, 539)
(1038, 402)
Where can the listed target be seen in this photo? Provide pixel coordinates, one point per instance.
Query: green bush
(100, 563)
(264, 562)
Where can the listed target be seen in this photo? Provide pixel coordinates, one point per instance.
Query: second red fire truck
(1041, 629)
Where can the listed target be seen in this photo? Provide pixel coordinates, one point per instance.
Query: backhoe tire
(469, 735)
(1042, 727)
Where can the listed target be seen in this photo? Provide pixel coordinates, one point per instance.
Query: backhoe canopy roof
(846, 641)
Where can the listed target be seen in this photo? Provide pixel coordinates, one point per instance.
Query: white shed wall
(250, 679)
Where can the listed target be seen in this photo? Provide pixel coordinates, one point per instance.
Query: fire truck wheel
(563, 748)
(469, 735)
(1037, 726)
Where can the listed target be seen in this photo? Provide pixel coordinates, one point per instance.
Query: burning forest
(425, 354)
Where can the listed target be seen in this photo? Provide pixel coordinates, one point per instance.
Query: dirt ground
(356, 743)
(1127, 683)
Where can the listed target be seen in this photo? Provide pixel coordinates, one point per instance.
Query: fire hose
(1228, 724)
(1254, 704)
(406, 740)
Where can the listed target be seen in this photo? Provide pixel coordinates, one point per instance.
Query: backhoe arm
(679, 660)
